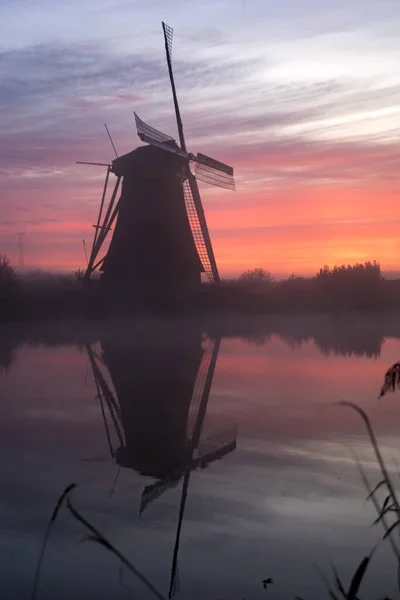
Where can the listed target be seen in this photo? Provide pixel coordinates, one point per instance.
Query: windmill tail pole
(96, 231)
(111, 140)
(104, 228)
(168, 31)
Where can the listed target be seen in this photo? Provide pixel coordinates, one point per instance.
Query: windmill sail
(154, 137)
(145, 129)
(168, 33)
(174, 584)
(155, 490)
(213, 171)
(205, 372)
(215, 447)
(199, 228)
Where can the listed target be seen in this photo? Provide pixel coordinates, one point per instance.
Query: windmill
(170, 459)
(160, 234)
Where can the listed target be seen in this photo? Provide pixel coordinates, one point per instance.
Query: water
(280, 493)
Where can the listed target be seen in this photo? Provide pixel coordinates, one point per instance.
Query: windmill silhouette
(160, 236)
(170, 446)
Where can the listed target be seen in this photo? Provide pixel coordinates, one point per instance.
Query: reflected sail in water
(157, 413)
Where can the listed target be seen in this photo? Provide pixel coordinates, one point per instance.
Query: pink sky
(308, 116)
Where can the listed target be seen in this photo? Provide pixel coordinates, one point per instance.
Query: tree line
(361, 286)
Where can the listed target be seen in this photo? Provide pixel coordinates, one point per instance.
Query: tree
(367, 273)
(256, 276)
(80, 274)
(8, 289)
(8, 277)
(351, 286)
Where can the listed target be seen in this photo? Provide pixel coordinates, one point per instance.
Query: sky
(300, 97)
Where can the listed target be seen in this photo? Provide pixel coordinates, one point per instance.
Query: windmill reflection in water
(158, 414)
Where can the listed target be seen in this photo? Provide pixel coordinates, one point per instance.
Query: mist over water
(255, 450)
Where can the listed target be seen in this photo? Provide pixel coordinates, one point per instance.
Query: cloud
(301, 110)
(54, 99)
(46, 76)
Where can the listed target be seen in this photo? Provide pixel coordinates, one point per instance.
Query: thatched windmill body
(160, 234)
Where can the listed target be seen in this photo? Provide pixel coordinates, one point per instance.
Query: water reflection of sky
(287, 498)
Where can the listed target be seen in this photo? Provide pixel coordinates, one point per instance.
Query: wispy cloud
(295, 98)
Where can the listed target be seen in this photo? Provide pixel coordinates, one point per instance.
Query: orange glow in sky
(309, 122)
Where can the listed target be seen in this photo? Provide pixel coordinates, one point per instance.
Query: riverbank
(69, 299)
(332, 291)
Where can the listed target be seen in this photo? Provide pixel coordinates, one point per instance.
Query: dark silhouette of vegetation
(38, 295)
(8, 286)
(256, 277)
(358, 273)
(80, 274)
(358, 286)
(41, 295)
(341, 288)
(7, 273)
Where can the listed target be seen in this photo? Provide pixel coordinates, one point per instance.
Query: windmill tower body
(152, 240)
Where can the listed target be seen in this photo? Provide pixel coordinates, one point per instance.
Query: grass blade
(99, 537)
(390, 529)
(376, 449)
(383, 512)
(385, 503)
(338, 581)
(46, 536)
(377, 508)
(328, 587)
(358, 577)
(376, 488)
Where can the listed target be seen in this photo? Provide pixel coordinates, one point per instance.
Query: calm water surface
(212, 456)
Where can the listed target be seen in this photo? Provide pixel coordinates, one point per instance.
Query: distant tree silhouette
(8, 276)
(80, 274)
(8, 287)
(353, 286)
(32, 295)
(369, 272)
(256, 276)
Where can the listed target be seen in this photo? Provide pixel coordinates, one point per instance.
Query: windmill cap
(148, 160)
